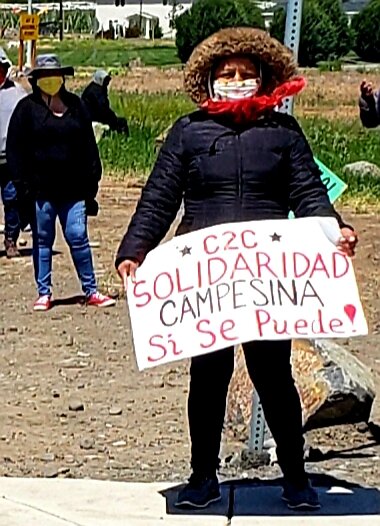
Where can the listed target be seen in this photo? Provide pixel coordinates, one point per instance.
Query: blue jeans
(73, 219)
(9, 198)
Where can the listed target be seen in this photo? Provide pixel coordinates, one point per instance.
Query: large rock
(334, 386)
(362, 169)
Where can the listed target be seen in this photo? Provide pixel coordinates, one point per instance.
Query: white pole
(291, 39)
(29, 42)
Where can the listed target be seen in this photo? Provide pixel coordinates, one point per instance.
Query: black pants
(268, 364)
(9, 198)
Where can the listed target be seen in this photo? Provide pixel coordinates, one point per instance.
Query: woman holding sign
(235, 159)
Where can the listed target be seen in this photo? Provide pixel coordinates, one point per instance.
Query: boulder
(334, 387)
(362, 169)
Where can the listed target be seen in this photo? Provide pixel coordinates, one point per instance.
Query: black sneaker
(300, 498)
(199, 492)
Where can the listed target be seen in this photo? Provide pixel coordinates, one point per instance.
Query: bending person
(95, 97)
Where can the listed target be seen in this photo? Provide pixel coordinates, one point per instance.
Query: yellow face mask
(50, 85)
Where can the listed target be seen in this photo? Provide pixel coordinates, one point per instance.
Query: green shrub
(343, 33)
(158, 33)
(366, 27)
(330, 65)
(325, 34)
(205, 17)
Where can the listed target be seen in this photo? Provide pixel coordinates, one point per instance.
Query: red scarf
(246, 110)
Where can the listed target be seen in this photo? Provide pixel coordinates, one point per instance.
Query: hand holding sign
(348, 241)
(232, 283)
(128, 269)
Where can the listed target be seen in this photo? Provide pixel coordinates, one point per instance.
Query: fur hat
(277, 58)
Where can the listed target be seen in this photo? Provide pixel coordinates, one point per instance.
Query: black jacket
(226, 174)
(53, 158)
(96, 100)
(370, 111)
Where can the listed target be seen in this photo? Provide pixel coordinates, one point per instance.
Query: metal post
(291, 40)
(257, 428)
(29, 42)
(21, 55)
(60, 20)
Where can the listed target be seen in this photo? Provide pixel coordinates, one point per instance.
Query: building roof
(144, 15)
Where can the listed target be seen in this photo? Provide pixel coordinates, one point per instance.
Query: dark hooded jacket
(95, 97)
(53, 158)
(226, 172)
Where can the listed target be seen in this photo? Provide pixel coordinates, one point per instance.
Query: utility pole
(141, 12)
(60, 20)
(29, 42)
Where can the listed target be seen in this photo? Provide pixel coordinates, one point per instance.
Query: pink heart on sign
(350, 310)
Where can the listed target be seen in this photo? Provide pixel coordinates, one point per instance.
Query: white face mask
(236, 90)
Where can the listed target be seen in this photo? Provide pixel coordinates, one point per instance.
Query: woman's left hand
(348, 241)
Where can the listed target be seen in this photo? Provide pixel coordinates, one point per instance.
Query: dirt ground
(130, 425)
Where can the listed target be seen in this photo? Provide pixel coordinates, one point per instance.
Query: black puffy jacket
(226, 173)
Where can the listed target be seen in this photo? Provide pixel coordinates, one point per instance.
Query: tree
(325, 35)
(344, 35)
(366, 27)
(205, 17)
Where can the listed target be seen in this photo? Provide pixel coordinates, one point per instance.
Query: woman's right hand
(127, 268)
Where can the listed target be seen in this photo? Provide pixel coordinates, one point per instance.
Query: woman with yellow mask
(54, 162)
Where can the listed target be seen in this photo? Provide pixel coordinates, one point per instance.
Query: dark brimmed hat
(246, 41)
(49, 62)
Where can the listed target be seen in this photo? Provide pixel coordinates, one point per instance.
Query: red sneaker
(100, 300)
(42, 304)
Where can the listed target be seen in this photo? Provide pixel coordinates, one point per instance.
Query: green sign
(335, 186)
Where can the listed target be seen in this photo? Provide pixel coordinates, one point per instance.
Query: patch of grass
(148, 117)
(88, 52)
(340, 142)
(335, 142)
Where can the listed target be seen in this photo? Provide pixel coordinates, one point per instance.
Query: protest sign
(224, 285)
